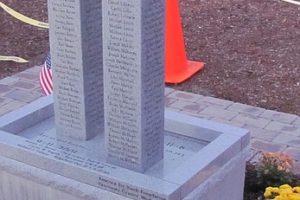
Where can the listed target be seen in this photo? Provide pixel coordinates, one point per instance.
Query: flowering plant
(274, 169)
(271, 169)
(284, 192)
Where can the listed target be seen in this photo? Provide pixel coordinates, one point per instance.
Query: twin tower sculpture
(108, 75)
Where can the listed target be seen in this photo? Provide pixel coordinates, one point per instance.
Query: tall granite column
(133, 50)
(76, 53)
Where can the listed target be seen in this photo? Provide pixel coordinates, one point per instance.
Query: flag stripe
(46, 77)
(45, 89)
(44, 84)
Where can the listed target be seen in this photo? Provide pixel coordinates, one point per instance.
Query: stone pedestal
(202, 160)
(24, 182)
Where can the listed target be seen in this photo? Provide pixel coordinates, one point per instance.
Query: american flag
(46, 76)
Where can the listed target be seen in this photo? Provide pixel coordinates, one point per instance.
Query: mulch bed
(252, 51)
(251, 48)
(20, 39)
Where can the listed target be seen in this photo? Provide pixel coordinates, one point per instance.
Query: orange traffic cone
(177, 68)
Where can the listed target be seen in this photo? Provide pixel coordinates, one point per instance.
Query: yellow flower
(279, 198)
(271, 190)
(285, 186)
(294, 196)
(275, 190)
(296, 189)
(286, 192)
(267, 194)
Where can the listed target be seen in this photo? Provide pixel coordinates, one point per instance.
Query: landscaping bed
(251, 48)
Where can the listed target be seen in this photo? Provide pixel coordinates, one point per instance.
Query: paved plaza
(270, 130)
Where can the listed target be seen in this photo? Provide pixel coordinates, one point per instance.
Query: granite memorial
(105, 135)
(76, 54)
(133, 41)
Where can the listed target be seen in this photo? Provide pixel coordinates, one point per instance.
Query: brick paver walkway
(270, 130)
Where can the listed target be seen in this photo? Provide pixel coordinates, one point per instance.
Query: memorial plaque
(133, 41)
(76, 53)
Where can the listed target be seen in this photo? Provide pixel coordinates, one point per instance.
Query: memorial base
(202, 160)
(20, 181)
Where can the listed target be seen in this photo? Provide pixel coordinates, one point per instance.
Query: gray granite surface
(76, 58)
(133, 51)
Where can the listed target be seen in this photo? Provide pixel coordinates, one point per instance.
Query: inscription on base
(177, 148)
